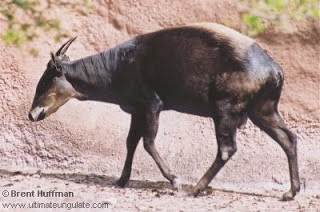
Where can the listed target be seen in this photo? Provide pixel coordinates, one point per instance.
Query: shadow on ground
(160, 187)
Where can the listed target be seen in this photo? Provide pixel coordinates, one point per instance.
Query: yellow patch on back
(240, 42)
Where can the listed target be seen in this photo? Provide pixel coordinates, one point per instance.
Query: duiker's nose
(30, 117)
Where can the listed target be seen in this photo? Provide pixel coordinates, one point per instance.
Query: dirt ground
(146, 195)
(81, 148)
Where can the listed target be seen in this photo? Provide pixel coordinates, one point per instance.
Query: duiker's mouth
(37, 114)
(41, 116)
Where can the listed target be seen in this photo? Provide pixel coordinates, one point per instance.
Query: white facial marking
(52, 94)
(37, 110)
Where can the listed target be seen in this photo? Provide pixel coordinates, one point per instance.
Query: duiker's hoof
(121, 183)
(288, 196)
(194, 192)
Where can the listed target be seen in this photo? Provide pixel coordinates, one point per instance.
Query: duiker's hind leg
(226, 122)
(264, 114)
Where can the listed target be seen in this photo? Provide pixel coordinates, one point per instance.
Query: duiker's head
(53, 89)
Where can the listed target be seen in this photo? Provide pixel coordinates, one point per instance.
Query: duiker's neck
(93, 76)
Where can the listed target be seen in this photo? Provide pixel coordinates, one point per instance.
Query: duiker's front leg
(135, 133)
(152, 112)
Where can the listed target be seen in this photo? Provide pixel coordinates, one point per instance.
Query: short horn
(65, 47)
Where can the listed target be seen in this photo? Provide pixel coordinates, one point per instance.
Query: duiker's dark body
(204, 69)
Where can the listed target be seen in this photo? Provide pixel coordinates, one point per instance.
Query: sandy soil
(84, 154)
(144, 195)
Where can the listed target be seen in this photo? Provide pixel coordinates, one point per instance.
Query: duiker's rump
(204, 69)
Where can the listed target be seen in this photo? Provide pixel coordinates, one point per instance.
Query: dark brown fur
(202, 69)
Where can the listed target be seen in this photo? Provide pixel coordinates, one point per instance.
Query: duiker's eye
(55, 79)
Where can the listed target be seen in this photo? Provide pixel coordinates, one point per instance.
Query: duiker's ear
(54, 58)
(55, 61)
